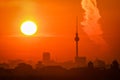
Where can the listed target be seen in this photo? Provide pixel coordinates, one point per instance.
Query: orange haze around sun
(56, 22)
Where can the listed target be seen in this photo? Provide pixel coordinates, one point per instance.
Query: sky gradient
(56, 20)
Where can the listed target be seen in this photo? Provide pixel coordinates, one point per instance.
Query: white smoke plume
(91, 26)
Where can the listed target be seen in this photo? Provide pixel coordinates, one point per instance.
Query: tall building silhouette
(46, 57)
(76, 40)
(79, 60)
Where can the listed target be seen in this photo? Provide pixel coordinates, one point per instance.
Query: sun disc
(28, 28)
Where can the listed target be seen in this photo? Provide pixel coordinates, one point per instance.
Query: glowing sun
(28, 28)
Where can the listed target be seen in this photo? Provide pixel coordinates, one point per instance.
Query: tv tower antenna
(76, 40)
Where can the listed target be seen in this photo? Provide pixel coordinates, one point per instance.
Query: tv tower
(76, 40)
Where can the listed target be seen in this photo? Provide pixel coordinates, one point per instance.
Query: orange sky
(56, 29)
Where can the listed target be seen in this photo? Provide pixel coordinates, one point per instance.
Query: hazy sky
(56, 21)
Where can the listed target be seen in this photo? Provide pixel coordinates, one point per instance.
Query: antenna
(76, 24)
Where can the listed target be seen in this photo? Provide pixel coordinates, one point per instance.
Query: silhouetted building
(115, 65)
(39, 65)
(46, 57)
(14, 63)
(68, 64)
(23, 69)
(99, 63)
(4, 65)
(81, 61)
(90, 65)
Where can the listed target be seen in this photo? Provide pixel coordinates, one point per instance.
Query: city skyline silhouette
(59, 40)
(56, 22)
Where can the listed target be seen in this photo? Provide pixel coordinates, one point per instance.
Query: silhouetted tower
(76, 40)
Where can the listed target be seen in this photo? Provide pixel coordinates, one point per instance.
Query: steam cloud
(91, 26)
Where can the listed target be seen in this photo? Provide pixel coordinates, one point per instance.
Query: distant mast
(76, 40)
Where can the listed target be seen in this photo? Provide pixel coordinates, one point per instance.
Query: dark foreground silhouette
(25, 72)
